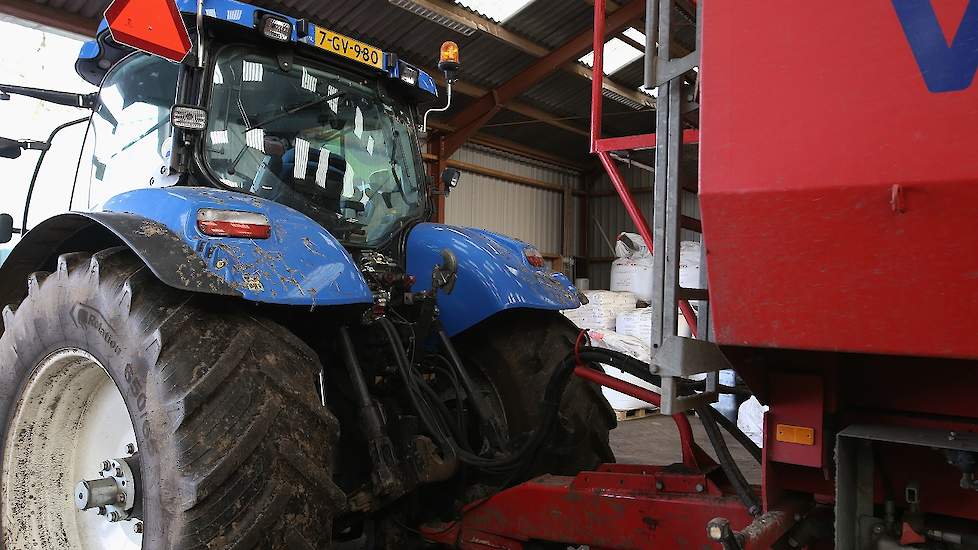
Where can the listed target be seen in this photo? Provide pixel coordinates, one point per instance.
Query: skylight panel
(497, 10)
(635, 35)
(617, 54)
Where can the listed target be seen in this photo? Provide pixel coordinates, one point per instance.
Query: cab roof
(97, 56)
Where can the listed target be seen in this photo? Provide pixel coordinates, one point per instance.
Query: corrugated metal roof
(487, 61)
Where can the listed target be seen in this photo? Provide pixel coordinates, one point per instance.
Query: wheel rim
(68, 420)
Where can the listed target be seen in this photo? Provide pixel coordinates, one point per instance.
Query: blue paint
(300, 264)
(242, 14)
(493, 275)
(944, 68)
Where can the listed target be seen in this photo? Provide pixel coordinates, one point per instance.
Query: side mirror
(6, 228)
(449, 179)
(9, 149)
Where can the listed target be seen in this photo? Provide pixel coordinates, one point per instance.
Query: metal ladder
(673, 356)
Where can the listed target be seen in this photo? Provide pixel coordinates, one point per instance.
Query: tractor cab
(265, 105)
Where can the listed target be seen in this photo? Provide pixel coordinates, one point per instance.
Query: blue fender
(493, 275)
(300, 264)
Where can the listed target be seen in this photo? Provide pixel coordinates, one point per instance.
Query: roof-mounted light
(188, 117)
(233, 223)
(448, 58)
(276, 28)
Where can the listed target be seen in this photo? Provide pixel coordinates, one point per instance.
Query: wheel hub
(114, 495)
(69, 417)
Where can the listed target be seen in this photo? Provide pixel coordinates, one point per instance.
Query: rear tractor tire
(180, 421)
(518, 351)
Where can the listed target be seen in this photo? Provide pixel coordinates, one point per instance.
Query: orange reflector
(449, 52)
(801, 435)
(154, 26)
(231, 223)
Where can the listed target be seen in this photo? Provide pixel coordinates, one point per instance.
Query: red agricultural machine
(838, 179)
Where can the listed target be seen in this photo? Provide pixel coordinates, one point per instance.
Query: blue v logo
(945, 68)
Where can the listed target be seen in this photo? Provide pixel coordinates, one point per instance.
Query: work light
(276, 28)
(409, 75)
(188, 117)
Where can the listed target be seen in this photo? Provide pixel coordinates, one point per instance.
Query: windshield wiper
(289, 111)
(297, 108)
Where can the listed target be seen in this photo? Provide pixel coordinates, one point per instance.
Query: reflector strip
(322, 169)
(309, 82)
(334, 104)
(301, 158)
(255, 138)
(219, 137)
(232, 223)
(801, 435)
(252, 72)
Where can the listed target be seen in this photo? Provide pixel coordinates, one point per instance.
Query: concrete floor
(654, 440)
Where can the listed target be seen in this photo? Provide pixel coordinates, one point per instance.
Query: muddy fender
(299, 264)
(493, 275)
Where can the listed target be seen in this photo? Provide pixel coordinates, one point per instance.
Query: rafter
(49, 17)
(454, 11)
(476, 115)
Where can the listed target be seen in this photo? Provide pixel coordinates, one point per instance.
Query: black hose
(640, 370)
(550, 404)
(549, 408)
(727, 463)
(708, 416)
(746, 442)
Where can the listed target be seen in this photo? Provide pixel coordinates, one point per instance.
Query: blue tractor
(247, 333)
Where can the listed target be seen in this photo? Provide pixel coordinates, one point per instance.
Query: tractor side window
(131, 127)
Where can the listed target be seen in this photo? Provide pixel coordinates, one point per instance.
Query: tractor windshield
(323, 144)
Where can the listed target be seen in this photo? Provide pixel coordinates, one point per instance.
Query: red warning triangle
(154, 26)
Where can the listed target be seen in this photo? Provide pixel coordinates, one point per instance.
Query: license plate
(349, 48)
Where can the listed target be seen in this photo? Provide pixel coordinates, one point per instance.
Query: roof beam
(517, 148)
(613, 5)
(49, 17)
(476, 115)
(454, 11)
(518, 107)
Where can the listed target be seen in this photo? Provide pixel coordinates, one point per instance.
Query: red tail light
(534, 257)
(231, 223)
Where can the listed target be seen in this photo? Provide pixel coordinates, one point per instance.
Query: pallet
(634, 414)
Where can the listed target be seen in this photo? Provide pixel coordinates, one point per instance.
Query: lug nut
(106, 466)
(116, 516)
(102, 511)
(130, 448)
(118, 472)
(137, 527)
(121, 498)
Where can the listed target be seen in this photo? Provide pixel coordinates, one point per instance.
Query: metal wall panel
(609, 213)
(527, 213)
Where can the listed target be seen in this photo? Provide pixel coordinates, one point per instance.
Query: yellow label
(349, 48)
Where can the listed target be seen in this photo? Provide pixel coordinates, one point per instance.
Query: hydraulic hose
(640, 370)
(549, 409)
(708, 416)
(727, 463)
(551, 402)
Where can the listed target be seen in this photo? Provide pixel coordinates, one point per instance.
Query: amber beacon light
(448, 60)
